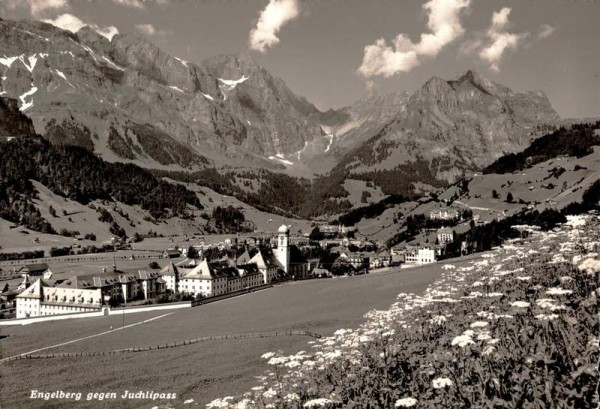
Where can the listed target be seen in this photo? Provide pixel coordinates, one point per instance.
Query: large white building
(86, 292)
(41, 298)
(211, 279)
(422, 255)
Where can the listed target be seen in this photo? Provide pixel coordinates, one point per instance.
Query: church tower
(283, 247)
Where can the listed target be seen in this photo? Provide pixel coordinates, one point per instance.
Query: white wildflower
(440, 383)
(405, 403)
(438, 319)
(590, 266)
(316, 403)
(520, 304)
(462, 340)
(548, 317)
(479, 324)
(558, 291)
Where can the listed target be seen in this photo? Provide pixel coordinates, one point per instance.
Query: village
(198, 270)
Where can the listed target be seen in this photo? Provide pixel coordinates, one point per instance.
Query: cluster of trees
(590, 200)
(228, 219)
(162, 147)
(400, 180)
(25, 255)
(75, 173)
(69, 132)
(578, 141)
(371, 211)
(483, 238)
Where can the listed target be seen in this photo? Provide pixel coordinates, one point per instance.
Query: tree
(316, 234)
(192, 252)
(495, 194)
(154, 265)
(509, 198)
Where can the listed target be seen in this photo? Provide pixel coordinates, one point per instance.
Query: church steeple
(283, 247)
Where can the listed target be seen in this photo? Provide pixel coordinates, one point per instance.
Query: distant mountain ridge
(456, 126)
(226, 108)
(127, 100)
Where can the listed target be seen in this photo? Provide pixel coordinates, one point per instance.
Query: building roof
(244, 258)
(35, 267)
(33, 291)
(265, 260)
(169, 270)
(283, 229)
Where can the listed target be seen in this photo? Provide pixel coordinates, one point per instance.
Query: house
(41, 298)
(87, 292)
(381, 259)
(36, 269)
(445, 235)
(421, 255)
(171, 253)
(321, 272)
(211, 279)
(444, 214)
(358, 260)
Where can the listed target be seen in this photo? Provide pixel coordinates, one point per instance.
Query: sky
(335, 52)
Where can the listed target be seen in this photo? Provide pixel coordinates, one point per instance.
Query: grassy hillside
(517, 328)
(76, 174)
(577, 141)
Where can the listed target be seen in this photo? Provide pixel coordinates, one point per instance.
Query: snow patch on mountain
(7, 61)
(68, 52)
(328, 134)
(32, 60)
(207, 96)
(302, 150)
(64, 77)
(176, 88)
(280, 158)
(112, 64)
(24, 104)
(184, 62)
(233, 83)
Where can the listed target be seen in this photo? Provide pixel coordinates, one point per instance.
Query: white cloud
(404, 55)
(73, 24)
(108, 32)
(271, 20)
(140, 4)
(500, 40)
(36, 7)
(130, 3)
(150, 30)
(39, 6)
(545, 31)
(147, 29)
(67, 22)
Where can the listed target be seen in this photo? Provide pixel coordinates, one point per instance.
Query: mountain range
(128, 101)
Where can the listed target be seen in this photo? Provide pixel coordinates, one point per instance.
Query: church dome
(283, 229)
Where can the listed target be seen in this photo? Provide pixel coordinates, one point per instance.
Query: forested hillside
(576, 141)
(79, 175)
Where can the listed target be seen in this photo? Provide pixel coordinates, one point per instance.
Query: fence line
(165, 346)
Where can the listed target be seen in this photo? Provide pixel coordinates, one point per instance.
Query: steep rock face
(105, 86)
(456, 126)
(277, 120)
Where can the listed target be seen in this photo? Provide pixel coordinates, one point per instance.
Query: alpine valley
(227, 128)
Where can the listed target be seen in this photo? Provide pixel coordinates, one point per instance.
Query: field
(517, 328)
(202, 371)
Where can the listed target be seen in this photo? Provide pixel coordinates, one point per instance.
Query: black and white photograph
(299, 204)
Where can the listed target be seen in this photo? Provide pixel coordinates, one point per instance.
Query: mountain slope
(455, 126)
(78, 176)
(226, 110)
